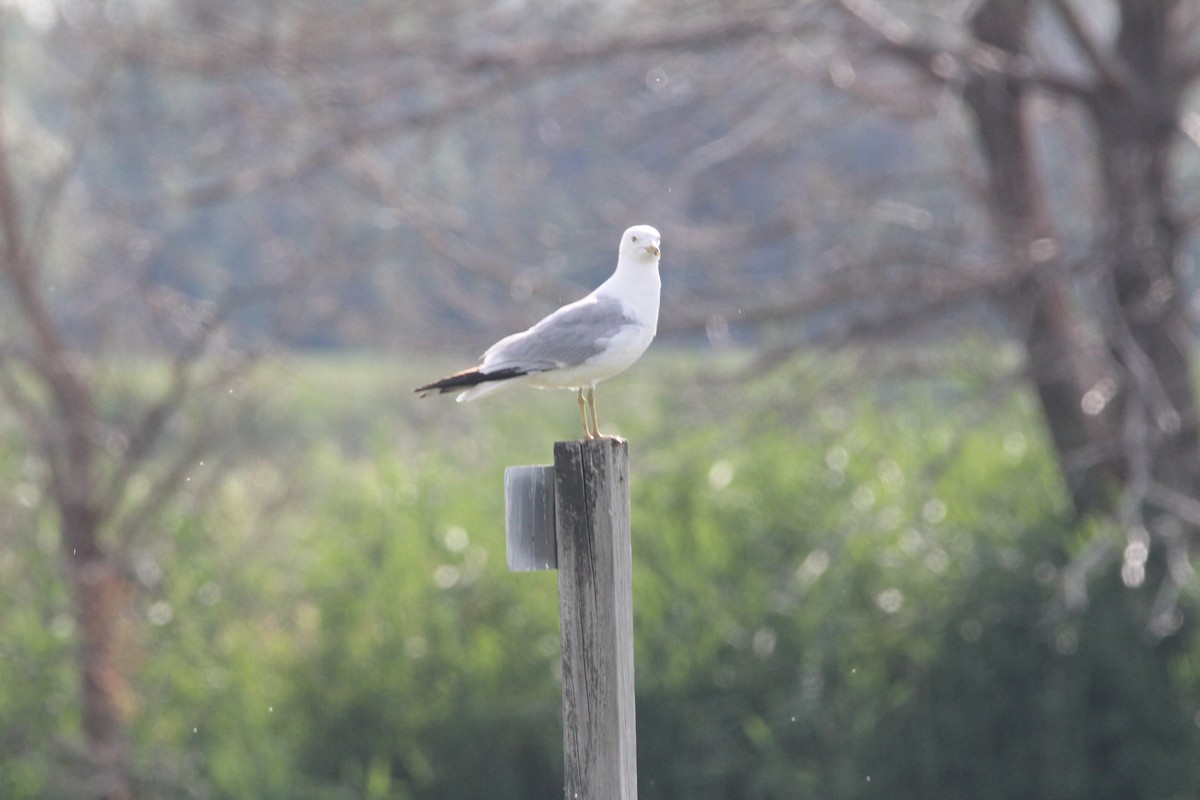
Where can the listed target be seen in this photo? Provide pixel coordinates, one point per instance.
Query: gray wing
(568, 337)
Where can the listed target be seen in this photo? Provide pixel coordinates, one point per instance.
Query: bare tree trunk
(66, 431)
(1147, 321)
(101, 594)
(1061, 363)
(101, 600)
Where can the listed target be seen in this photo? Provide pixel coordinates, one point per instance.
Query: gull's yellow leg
(591, 397)
(583, 415)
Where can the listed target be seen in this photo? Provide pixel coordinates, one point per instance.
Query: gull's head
(640, 243)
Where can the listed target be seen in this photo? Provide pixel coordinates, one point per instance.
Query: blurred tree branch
(1140, 430)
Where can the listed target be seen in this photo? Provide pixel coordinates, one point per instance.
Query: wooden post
(575, 515)
(595, 595)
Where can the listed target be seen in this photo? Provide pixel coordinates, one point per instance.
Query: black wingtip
(466, 379)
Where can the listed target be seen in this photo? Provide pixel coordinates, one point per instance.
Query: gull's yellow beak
(653, 250)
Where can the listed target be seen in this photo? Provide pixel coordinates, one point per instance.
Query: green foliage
(37, 689)
(861, 600)
(811, 573)
(426, 670)
(1019, 702)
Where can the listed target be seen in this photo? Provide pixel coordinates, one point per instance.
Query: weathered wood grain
(595, 585)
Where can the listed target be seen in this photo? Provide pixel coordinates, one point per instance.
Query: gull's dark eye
(633, 238)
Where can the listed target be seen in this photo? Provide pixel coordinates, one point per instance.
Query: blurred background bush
(864, 601)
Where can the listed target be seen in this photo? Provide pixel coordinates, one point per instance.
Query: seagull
(580, 344)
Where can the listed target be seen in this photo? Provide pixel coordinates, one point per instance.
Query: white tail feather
(484, 389)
